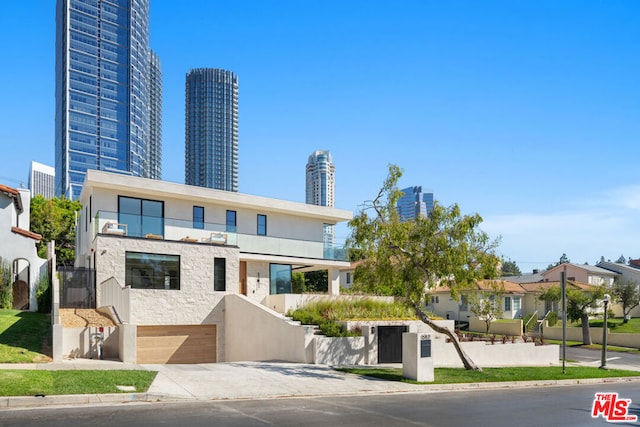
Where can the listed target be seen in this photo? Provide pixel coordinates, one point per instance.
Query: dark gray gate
(390, 343)
(77, 287)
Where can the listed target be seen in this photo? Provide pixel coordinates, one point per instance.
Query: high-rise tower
(102, 90)
(320, 179)
(414, 203)
(155, 117)
(211, 129)
(320, 188)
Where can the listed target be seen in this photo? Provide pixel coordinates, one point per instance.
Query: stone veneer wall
(194, 303)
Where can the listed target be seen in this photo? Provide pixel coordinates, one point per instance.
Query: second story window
(142, 217)
(198, 217)
(231, 221)
(262, 225)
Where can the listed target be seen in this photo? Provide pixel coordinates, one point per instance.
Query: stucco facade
(18, 244)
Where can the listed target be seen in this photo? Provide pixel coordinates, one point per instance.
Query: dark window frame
(149, 274)
(232, 226)
(220, 274)
(198, 217)
(261, 229)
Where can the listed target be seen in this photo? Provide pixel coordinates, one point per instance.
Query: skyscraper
(320, 188)
(211, 129)
(42, 180)
(320, 179)
(155, 117)
(102, 90)
(414, 202)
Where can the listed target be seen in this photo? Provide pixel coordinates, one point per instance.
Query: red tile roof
(26, 233)
(9, 190)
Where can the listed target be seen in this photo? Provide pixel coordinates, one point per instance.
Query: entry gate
(390, 343)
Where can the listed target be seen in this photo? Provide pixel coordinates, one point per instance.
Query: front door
(243, 277)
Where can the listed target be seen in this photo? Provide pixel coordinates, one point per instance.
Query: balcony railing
(203, 232)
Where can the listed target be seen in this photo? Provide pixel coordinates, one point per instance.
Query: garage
(176, 344)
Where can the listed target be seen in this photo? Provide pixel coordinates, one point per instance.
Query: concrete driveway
(251, 380)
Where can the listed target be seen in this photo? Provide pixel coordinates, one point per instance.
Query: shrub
(552, 318)
(43, 294)
(529, 322)
(6, 291)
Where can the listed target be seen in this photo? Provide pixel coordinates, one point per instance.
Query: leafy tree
(297, 282)
(55, 219)
(510, 268)
(579, 301)
(627, 293)
(487, 305)
(621, 260)
(563, 259)
(408, 258)
(316, 281)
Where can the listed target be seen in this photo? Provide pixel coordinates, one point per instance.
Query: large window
(262, 225)
(198, 217)
(507, 303)
(279, 279)
(152, 271)
(143, 217)
(231, 221)
(219, 274)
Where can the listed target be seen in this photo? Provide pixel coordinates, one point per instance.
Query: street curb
(30, 402)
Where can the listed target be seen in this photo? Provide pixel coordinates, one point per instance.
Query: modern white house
(195, 273)
(18, 247)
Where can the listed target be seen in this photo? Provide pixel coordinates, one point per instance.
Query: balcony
(211, 233)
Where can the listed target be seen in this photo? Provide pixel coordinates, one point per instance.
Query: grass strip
(457, 376)
(16, 382)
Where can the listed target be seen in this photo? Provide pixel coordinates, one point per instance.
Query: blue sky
(527, 112)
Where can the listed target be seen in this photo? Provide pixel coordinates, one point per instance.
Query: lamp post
(603, 362)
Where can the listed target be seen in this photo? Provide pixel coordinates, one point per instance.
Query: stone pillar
(417, 360)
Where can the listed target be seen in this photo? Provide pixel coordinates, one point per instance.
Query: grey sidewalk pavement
(245, 380)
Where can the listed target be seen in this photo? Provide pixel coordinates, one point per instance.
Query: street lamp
(603, 362)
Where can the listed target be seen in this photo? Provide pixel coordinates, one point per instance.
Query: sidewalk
(246, 380)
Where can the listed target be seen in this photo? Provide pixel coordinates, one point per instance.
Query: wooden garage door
(176, 344)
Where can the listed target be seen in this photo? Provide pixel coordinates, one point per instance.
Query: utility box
(417, 360)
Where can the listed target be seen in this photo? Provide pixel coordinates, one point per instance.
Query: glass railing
(203, 232)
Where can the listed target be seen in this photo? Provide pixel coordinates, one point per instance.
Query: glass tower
(320, 179)
(211, 129)
(102, 90)
(414, 203)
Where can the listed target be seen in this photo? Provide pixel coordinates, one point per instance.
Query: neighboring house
(532, 302)
(581, 273)
(168, 257)
(626, 272)
(442, 304)
(18, 247)
(347, 274)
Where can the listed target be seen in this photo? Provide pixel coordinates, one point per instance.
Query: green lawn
(616, 325)
(24, 337)
(15, 382)
(455, 376)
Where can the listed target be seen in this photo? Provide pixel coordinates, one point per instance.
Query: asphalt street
(566, 406)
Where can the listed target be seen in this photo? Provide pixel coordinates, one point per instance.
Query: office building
(414, 203)
(42, 180)
(211, 129)
(320, 179)
(102, 90)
